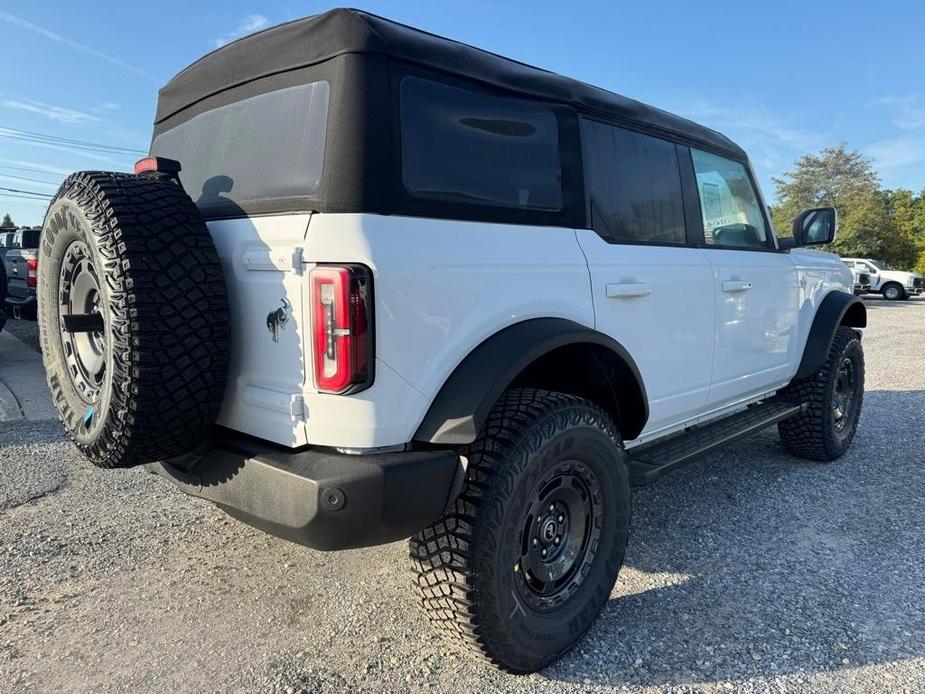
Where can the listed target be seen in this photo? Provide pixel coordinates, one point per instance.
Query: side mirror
(815, 227)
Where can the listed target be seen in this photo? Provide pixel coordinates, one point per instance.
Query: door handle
(736, 286)
(627, 290)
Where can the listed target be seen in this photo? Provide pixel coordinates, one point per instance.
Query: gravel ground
(748, 570)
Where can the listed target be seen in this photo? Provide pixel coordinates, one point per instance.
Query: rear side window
(634, 185)
(731, 213)
(466, 146)
(265, 147)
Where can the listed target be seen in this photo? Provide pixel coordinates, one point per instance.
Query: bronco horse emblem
(277, 320)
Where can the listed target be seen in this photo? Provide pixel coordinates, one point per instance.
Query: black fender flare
(460, 408)
(837, 308)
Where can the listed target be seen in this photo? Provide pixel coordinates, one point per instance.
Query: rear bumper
(321, 499)
(22, 307)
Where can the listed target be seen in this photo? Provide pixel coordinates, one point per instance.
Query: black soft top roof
(312, 40)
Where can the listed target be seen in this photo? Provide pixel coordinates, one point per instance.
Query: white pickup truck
(894, 285)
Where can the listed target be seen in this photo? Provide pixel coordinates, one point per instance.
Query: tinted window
(728, 202)
(469, 146)
(28, 238)
(634, 185)
(268, 146)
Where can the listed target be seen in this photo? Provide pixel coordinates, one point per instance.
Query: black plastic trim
(318, 497)
(830, 314)
(458, 412)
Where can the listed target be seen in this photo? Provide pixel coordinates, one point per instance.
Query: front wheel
(833, 397)
(525, 559)
(894, 292)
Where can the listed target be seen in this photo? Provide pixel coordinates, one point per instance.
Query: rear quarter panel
(441, 288)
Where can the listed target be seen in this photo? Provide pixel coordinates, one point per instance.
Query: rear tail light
(160, 165)
(32, 272)
(342, 331)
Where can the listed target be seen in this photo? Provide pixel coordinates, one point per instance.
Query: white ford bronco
(374, 284)
(894, 285)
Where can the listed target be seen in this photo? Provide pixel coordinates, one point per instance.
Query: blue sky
(780, 78)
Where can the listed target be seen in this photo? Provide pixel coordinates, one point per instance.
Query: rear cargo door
(262, 261)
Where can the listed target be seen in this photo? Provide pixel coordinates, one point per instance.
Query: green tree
(868, 223)
(7, 222)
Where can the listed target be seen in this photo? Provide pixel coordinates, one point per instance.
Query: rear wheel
(894, 292)
(833, 396)
(133, 318)
(520, 566)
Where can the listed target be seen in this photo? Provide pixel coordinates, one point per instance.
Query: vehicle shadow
(753, 563)
(265, 311)
(875, 301)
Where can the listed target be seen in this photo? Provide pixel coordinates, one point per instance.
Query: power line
(84, 144)
(65, 145)
(29, 192)
(26, 178)
(22, 197)
(31, 168)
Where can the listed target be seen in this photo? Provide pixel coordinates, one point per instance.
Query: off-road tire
(463, 565)
(814, 434)
(164, 345)
(894, 291)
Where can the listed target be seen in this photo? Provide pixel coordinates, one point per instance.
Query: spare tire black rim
(560, 534)
(82, 334)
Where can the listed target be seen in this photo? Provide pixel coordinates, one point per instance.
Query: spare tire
(133, 317)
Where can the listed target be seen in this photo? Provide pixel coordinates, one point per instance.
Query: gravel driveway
(747, 570)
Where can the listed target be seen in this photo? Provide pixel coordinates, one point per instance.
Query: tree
(872, 223)
(7, 222)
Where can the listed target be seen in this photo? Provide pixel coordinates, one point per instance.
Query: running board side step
(650, 461)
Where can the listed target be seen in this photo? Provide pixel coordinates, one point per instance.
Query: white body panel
(266, 378)
(658, 302)
(818, 274)
(442, 287)
(755, 346)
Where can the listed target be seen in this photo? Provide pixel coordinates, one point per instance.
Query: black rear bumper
(22, 307)
(319, 498)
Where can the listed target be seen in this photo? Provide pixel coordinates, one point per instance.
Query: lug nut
(561, 518)
(543, 553)
(557, 540)
(535, 542)
(552, 508)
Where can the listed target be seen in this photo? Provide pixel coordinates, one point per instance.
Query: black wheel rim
(560, 535)
(845, 397)
(79, 300)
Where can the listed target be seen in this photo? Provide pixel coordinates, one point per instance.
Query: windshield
(269, 146)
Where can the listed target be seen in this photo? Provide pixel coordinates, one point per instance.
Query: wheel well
(855, 316)
(593, 372)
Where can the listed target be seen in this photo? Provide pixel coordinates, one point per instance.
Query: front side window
(466, 146)
(731, 212)
(634, 185)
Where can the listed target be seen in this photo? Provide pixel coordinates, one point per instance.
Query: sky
(780, 78)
